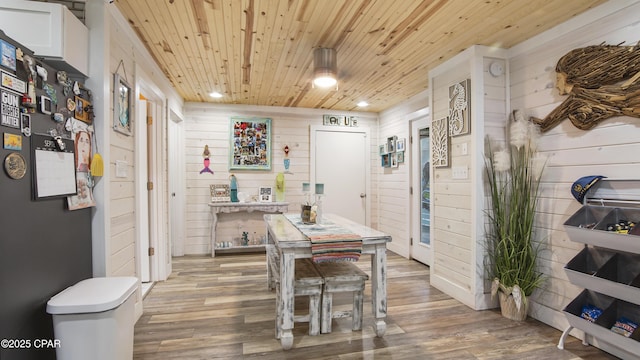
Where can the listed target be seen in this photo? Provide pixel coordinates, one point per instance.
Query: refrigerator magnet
(15, 165)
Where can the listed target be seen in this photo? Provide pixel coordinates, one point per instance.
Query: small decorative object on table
(319, 194)
(308, 214)
(265, 194)
(280, 187)
(233, 186)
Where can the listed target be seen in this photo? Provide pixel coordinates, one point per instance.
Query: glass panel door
(421, 198)
(425, 195)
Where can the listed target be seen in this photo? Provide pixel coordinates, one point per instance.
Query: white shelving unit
(232, 207)
(608, 267)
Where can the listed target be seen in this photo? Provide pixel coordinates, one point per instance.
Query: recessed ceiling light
(363, 104)
(215, 94)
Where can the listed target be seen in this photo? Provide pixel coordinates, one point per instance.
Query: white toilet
(94, 319)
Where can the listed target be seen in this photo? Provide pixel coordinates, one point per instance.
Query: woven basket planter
(510, 310)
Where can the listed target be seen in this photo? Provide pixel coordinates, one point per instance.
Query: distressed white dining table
(292, 244)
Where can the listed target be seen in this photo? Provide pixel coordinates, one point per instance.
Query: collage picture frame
(392, 152)
(250, 144)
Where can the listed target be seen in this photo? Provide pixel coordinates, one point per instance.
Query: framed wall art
(122, 97)
(385, 160)
(394, 160)
(250, 144)
(391, 144)
(440, 142)
(265, 194)
(459, 108)
(82, 110)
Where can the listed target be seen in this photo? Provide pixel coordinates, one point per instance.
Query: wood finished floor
(220, 308)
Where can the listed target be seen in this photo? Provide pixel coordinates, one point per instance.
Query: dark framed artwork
(122, 98)
(250, 144)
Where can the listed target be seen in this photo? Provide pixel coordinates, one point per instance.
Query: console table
(231, 207)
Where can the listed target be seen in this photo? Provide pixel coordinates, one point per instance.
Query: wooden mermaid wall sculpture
(601, 81)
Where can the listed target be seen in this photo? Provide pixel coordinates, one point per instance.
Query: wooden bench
(308, 282)
(341, 276)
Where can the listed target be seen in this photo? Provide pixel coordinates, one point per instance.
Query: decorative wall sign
(13, 83)
(459, 108)
(10, 109)
(220, 193)
(250, 144)
(339, 120)
(440, 142)
(122, 98)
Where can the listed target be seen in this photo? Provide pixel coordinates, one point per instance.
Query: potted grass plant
(513, 179)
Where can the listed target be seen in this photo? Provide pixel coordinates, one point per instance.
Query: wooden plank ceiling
(260, 52)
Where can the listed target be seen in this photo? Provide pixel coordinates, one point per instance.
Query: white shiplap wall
(393, 183)
(208, 124)
(458, 223)
(609, 149)
(451, 199)
(126, 54)
(121, 147)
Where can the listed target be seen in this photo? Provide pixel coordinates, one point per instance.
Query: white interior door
(142, 212)
(340, 161)
(176, 188)
(421, 197)
(152, 191)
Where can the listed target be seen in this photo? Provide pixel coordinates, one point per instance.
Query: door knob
(363, 195)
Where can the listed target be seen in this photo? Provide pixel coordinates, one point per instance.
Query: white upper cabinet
(50, 30)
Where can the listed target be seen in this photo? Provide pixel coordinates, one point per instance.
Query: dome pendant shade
(325, 68)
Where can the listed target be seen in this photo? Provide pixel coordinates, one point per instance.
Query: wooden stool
(308, 282)
(341, 276)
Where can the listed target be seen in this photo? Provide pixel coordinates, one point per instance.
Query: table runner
(329, 241)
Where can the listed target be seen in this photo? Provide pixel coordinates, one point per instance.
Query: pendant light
(325, 68)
